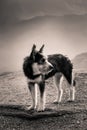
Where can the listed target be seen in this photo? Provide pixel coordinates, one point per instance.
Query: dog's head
(40, 63)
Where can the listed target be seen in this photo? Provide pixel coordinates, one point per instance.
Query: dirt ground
(14, 96)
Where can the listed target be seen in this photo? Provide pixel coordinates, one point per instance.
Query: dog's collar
(36, 76)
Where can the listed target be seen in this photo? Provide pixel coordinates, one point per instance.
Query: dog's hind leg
(71, 93)
(58, 82)
(42, 96)
(71, 90)
(33, 91)
(73, 86)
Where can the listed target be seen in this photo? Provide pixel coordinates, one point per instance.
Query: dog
(38, 68)
(34, 66)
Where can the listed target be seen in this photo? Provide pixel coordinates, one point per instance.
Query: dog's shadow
(20, 112)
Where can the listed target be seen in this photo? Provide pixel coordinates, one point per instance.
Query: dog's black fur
(59, 62)
(35, 56)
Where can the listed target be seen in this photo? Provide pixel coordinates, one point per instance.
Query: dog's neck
(35, 69)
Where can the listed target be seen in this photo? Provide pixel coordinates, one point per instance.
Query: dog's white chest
(35, 68)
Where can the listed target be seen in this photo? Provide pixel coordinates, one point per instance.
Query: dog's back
(61, 64)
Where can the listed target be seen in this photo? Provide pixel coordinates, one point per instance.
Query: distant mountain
(80, 62)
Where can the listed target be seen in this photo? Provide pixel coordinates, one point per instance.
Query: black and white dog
(37, 68)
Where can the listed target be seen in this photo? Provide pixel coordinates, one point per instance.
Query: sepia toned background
(62, 26)
(59, 24)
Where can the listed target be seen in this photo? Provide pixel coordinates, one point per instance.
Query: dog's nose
(51, 67)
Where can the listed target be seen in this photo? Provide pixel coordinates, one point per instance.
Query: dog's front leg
(42, 96)
(32, 89)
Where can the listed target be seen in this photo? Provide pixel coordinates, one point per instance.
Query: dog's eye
(42, 61)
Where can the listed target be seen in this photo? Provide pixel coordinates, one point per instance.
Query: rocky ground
(14, 96)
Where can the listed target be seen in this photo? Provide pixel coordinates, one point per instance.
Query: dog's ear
(34, 47)
(41, 49)
(33, 52)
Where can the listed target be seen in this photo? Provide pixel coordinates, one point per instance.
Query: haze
(60, 24)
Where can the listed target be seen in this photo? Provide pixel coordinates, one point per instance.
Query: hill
(80, 62)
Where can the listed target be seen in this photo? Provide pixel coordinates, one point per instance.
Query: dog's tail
(74, 82)
(73, 79)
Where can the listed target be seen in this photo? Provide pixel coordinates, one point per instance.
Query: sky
(59, 24)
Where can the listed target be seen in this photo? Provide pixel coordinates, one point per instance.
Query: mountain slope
(80, 62)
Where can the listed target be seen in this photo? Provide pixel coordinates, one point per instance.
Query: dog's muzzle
(51, 67)
(48, 65)
(45, 66)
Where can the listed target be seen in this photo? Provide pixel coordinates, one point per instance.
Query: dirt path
(14, 95)
(13, 118)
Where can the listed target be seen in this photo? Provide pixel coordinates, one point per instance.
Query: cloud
(12, 11)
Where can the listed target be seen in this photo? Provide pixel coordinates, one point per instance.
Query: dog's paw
(70, 101)
(57, 102)
(40, 109)
(29, 108)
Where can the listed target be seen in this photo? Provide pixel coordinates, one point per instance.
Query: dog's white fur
(33, 83)
(33, 89)
(59, 84)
